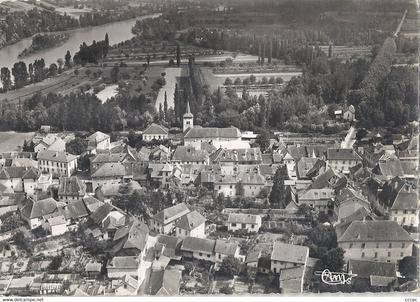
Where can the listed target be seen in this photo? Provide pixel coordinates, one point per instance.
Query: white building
(286, 256)
(164, 221)
(405, 209)
(248, 222)
(192, 224)
(155, 132)
(99, 141)
(60, 163)
(341, 160)
(380, 240)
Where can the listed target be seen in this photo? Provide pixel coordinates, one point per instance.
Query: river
(117, 32)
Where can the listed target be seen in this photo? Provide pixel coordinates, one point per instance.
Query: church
(196, 136)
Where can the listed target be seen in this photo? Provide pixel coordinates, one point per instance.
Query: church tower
(187, 119)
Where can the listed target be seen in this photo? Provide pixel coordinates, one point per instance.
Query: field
(172, 78)
(347, 52)
(10, 141)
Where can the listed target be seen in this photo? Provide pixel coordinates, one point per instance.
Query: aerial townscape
(208, 147)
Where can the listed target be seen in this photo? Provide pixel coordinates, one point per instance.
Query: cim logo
(334, 278)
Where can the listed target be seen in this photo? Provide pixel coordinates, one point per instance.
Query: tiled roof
(54, 156)
(165, 282)
(390, 168)
(110, 170)
(169, 214)
(75, 210)
(71, 186)
(289, 253)
(97, 137)
(155, 129)
(57, 220)
(304, 165)
(101, 213)
(190, 221)
(226, 247)
(367, 268)
(14, 172)
(379, 230)
(407, 199)
(189, 154)
(316, 194)
(237, 155)
(42, 207)
(193, 244)
(342, 154)
(243, 218)
(124, 262)
(108, 158)
(220, 133)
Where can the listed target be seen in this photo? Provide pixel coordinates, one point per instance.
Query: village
(206, 211)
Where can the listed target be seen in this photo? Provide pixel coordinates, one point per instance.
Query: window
(390, 245)
(363, 245)
(233, 224)
(403, 245)
(405, 211)
(208, 256)
(363, 254)
(350, 245)
(402, 255)
(252, 226)
(230, 186)
(376, 254)
(413, 212)
(220, 256)
(389, 254)
(201, 254)
(243, 225)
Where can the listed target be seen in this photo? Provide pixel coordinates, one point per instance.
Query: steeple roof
(188, 111)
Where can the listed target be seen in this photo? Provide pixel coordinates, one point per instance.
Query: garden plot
(11, 141)
(107, 93)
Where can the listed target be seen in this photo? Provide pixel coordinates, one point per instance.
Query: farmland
(10, 141)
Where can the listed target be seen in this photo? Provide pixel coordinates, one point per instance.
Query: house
(93, 269)
(320, 199)
(380, 240)
(249, 156)
(36, 212)
(164, 282)
(16, 177)
(110, 174)
(164, 221)
(71, 189)
(252, 257)
(349, 114)
(168, 246)
(347, 202)
(59, 163)
(155, 132)
(44, 182)
(118, 267)
(224, 249)
(286, 256)
(341, 160)
(360, 214)
(307, 167)
(405, 209)
(192, 224)
(389, 168)
(127, 286)
(50, 142)
(198, 248)
(131, 239)
(248, 222)
(98, 141)
(244, 184)
(372, 273)
(57, 225)
(291, 280)
(189, 155)
(103, 158)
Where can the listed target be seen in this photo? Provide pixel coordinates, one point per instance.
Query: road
(350, 139)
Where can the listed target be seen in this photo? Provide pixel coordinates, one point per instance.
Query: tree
(60, 63)
(22, 242)
(178, 55)
(28, 146)
(53, 70)
(55, 263)
(263, 140)
(237, 81)
(333, 260)
(324, 236)
(278, 191)
(230, 267)
(270, 51)
(165, 107)
(252, 79)
(77, 146)
(106, 45)
(20, 74)
(330, 50)
(115, 74)
(228, 82)
(6, 79)
(408, 266)
(67, 59)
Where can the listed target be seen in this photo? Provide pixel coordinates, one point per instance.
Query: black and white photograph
(209, 148)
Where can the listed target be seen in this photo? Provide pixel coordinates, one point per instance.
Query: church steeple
(187, 118)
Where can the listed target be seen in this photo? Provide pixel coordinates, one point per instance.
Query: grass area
(10, 141)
